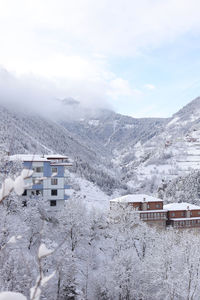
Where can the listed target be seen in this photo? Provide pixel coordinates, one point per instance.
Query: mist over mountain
(109, 149)
(47, 97)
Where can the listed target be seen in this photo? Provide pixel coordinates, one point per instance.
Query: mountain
(113, 151)
(173, 152)
(112, 131)
(30, 133)
(91, 142)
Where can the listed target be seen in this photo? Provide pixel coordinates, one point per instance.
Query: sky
(140, 58)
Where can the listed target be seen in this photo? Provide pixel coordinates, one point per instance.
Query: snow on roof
(69, 164)
(136, 198)
(56, 156)
(185, 219)
(181, 206)
(36, 157)
(152, 211)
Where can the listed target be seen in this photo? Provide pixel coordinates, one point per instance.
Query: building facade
(149, 209)
(48, 178)
(183, 215)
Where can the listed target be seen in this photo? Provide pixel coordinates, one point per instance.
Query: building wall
(47, 194)
(45, 186)
(186, 223)
(36, 164)
(195, 213)
(176, 214)
(59, 205)
(149, 205)
(48, 170)
(47, 183)
(155, 205)
(183, 214)
(158, 223)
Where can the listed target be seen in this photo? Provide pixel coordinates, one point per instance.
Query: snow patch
(175, 120)
(94, 122)
(44, 251)
(11, 296)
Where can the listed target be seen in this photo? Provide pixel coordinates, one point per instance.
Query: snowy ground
(88, 192)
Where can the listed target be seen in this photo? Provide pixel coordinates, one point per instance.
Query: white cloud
(70, 42)
(150, 86)
(38, 94)
(120, 87)
(29, 30)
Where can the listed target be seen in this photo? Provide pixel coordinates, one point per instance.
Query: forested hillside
(113, 151)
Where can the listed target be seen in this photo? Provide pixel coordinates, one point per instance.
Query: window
(38, 192)
(38, 169)
(176, 224)
(157, 215)
(53, 203)
(24, 193)
(198, 212)
(54, 181)
(157, 205)
(144, 216)
(173, 214)
(24, 203)
(54, 170)
(36, 181)
(54, 192)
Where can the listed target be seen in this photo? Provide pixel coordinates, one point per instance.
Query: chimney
(188, 212)
(144, 204)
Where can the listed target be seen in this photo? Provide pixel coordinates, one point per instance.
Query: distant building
(150, 209)
(183, 215)
(48, 178)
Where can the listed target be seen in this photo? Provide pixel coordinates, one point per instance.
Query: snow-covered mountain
(91, 142)
(174, 151)
(22, 132)
(111, 150)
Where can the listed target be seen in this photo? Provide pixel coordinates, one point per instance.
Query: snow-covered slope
(175, 151)
(29, 133)
(109, 149)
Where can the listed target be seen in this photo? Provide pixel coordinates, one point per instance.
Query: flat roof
(181, 206)
(36, 157)
(136, 198)
(61, 164)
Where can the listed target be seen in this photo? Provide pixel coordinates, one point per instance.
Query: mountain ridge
(125, 151)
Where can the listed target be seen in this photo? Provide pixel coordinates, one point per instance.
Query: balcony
(37, 186)
(153, 215)
(185, 222)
